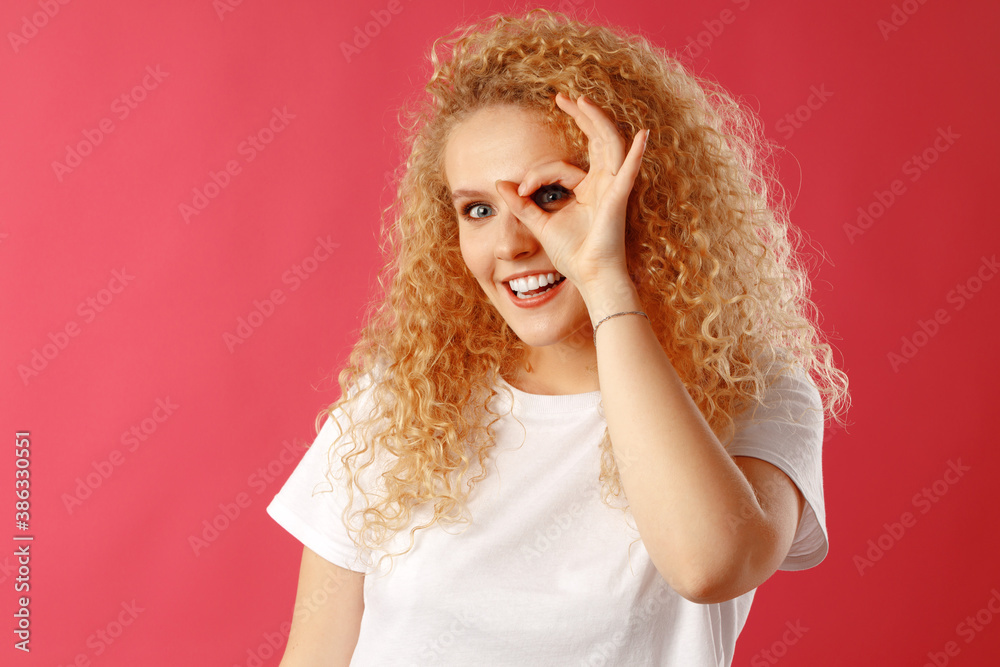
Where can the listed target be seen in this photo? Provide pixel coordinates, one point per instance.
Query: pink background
(149, 348)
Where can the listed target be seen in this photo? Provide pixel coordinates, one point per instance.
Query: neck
(566, 367)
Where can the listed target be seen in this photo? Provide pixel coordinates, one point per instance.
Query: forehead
(499, 142)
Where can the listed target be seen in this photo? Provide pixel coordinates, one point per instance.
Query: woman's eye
(478, 210)
(548, 194)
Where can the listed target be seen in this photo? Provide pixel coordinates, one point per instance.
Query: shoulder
(789, 396)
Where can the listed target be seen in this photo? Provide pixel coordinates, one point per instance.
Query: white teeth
(528, 283)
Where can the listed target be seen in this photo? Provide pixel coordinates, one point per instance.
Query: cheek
(476, 257)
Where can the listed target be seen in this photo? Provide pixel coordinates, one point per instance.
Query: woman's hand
(584, 240)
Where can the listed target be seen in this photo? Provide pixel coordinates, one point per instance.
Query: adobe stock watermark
(702, 41)
(294, 278)
(320, 595)
(104, 468)
(433, 649)
(967, 629)
(653, 604)
(560, 523)
(794, 120)
(779, 647)
(58, 340)
(568, 6)
(121, 107)
(31, 24)
(898, 17)
(365, 33)
(923, 501)
(915, 167)
(223, 7)
(832, 431)
(248, 149)
(230, 511)
(7, 569)
(103, 637)
(957, 298)
(267, 649)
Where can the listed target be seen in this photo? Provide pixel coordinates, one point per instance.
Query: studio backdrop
(190, 195)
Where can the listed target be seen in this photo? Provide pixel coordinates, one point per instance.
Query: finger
(559, 171)
(625, 178)
(572, 108)
(575, 108)
(605, 144)
(523, 208)
(605, 134)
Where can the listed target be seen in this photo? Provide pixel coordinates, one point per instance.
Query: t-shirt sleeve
(311, 503)
(786, 430)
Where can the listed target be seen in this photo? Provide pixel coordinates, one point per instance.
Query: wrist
(610, 294)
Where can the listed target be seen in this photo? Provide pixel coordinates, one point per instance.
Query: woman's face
(503, 143)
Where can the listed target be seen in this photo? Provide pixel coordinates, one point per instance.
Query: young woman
(584, 421)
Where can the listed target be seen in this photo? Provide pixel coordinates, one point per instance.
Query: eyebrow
(459, 194)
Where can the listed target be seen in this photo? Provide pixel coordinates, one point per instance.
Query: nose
(514, 240)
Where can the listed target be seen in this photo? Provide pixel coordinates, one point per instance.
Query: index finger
(606, 142)
(558, 171)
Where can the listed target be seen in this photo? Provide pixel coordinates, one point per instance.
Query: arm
(328, 607)
(715, 526)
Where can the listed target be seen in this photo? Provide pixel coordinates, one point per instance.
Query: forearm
(683, 488)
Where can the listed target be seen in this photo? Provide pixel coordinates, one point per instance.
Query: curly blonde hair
(709, 249)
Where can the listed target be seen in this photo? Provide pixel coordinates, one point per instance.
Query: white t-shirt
(547, 574)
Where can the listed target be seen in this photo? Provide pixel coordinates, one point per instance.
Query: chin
(567, 323)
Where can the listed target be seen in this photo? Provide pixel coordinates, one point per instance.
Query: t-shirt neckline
(552, 402)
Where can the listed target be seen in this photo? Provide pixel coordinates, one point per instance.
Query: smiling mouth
(526, 293)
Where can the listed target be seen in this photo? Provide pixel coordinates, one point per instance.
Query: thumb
(523, 208)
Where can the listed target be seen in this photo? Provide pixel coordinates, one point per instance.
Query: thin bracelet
(626, 312)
